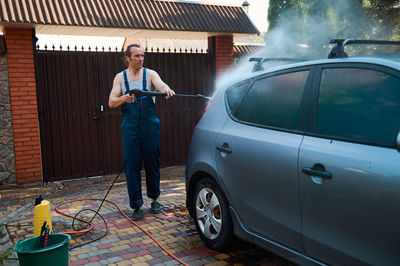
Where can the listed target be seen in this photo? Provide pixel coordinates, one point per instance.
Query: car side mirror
(398, 142)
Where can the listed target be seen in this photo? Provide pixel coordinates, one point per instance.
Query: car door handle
(318, 173)
(224, 148)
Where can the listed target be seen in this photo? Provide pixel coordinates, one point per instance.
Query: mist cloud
(306, 32)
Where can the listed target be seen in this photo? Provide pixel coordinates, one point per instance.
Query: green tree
(312, 23)
(276, 10)
(387, 15)
(381, 4)
(343, 18)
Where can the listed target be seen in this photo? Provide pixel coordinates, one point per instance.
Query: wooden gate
(81, 136)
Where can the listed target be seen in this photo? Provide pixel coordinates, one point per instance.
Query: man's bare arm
(160, 85)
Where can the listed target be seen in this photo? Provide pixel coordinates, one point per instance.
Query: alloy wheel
(209, 215)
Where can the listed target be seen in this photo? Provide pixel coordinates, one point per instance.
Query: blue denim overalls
(141, 138)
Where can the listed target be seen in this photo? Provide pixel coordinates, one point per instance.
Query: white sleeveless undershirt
(137, 84)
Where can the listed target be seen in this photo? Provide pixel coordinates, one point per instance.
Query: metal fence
(81, 135)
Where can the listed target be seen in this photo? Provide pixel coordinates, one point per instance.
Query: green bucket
(56, 252)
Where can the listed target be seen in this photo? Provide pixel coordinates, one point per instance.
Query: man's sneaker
(137, 214)
(155, 207)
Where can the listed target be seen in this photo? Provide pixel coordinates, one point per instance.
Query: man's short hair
(128, 49)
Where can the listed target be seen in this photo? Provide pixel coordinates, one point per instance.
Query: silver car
(303, 160)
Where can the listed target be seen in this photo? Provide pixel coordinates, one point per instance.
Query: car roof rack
(338, 50)
(260, 60)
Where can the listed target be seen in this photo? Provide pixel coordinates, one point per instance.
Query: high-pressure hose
(92, 226)
(139, 93)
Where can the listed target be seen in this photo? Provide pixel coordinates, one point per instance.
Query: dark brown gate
(81, 136)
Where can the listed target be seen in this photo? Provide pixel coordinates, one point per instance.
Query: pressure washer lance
(140, 93)
(43, 237)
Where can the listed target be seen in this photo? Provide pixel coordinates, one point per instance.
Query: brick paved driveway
(125, 244)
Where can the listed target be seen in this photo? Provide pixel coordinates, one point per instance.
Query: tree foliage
(277, 8)
(387, 15)
(342, 18)
(381, 4)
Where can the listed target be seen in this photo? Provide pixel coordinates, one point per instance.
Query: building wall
(7, 160)
(223, 53)
(24, 108)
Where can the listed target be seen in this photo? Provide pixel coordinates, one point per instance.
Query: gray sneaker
(155, 207)
(137, 214)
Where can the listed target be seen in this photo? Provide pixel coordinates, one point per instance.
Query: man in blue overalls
(140, 128)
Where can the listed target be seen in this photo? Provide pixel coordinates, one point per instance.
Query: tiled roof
(128, 14)
(245, 49)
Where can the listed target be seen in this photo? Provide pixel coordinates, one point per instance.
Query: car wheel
(211, 215)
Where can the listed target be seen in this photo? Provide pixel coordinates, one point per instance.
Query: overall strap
(126, 82)
(144, 80)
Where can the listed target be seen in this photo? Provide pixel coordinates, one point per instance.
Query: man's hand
(169, 93)
(128, 98)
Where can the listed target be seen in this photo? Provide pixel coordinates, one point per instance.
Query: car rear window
(361, 105)
(274, 101)
(235, 94)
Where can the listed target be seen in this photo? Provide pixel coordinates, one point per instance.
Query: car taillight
(205, 109)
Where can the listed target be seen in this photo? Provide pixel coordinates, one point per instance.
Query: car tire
(211, 215)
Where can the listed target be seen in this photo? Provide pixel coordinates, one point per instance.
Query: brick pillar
(222, 48)
(24, 109)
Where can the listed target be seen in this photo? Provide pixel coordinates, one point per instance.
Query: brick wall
(223, 49)
(21, 77)
(7, 159)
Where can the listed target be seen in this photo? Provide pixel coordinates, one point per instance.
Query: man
(140, 128)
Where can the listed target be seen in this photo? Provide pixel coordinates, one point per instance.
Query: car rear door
(349, 169)
(256, 154)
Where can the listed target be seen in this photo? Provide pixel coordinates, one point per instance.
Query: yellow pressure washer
(41, 214)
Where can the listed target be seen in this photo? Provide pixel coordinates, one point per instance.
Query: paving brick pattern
(15, 196)
(126, 244)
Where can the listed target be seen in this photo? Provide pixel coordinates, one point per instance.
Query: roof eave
(124, 32)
